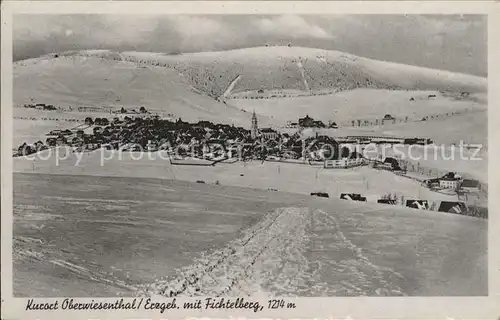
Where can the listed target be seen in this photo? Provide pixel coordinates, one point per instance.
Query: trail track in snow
(241, 268)
(345, 270)
(290, 252)
(231, 86)
(301, 70)
(41, 252)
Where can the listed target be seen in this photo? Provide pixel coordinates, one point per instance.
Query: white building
(449, 183)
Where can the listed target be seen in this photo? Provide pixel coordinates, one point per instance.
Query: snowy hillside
(288, 68)
(303, 69)
(75, 81)
(189, 85)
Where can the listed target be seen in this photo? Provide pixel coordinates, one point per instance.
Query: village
(142, 131)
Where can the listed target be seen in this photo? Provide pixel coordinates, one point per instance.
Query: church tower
(254, 130)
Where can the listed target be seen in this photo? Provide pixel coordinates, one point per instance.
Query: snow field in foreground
(290, 252)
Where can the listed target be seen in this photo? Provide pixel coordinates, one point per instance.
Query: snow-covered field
(471, 128)
(30, 131)
(101, 236)
(368, 104)
(323, 257)
(288, 177)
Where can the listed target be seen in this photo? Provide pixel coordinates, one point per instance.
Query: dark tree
(22, 148)
(39, 146)
(345, 152)
(51, 142)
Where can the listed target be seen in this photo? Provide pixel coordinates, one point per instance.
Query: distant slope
(76, 80)
(303, 69)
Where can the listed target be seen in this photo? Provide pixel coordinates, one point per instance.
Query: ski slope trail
(284, 254)
(231, 86)
(302, 74)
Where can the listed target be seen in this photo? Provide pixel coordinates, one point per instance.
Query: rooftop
(469, 183)
(449, 179)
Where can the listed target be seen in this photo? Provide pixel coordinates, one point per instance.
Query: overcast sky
(451, 42)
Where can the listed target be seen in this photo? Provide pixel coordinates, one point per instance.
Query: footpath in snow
(290, 252)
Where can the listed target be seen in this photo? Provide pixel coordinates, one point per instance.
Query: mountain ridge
(201, 86)
(292, 68)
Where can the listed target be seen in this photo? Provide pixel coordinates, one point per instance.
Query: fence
(435, 173)
(49, 118)
(94, 109)
(423, 170)
(403, 119)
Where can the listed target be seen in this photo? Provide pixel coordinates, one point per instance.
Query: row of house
(40, 106)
